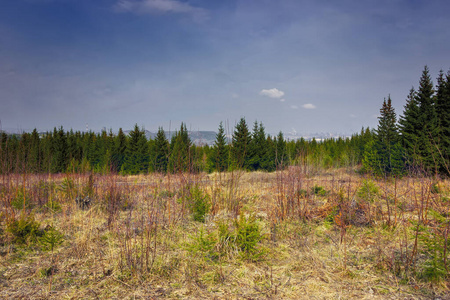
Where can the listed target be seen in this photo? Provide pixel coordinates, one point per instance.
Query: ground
(293, 234)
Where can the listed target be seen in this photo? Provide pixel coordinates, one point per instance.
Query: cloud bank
(308, 106)
(272, 93)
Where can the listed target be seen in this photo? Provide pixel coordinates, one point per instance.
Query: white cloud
(282, 100)
(294, 106)
(308, 106)
(272, 93)
(160, 7)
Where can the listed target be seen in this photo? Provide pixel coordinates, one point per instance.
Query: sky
(296, 66)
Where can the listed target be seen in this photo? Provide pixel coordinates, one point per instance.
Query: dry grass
(137, 239)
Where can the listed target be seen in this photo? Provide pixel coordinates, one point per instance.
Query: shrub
(21, 201)
(51, 239)
(248, 234)
(318, 190)
(368, 191)
(24, 230)
(435, 247)
(244, 238)
(199, 204)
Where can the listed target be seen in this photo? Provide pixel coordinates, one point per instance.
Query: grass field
(292, 234)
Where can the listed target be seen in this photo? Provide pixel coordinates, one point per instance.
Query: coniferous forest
(116, 215)
(417, 141)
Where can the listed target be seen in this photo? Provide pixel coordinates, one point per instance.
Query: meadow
(298, 233)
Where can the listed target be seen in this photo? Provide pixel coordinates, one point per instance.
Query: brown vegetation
(288, 235)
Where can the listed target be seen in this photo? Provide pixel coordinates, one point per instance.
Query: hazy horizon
(299, 66)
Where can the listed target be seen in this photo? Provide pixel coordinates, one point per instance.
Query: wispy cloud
(308, 106)
(294, 106)
(161, 7)
(282, 100)
(272, 93)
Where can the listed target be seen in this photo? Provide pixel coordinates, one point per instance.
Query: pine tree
(219, 153)
(137, 155)
(240, 145)
(161, 151)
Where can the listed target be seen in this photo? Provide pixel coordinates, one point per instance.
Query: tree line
(419, 141)
(68, 151)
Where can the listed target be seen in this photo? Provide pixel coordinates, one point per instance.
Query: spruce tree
(240, 145)
(443, 116)
(137, 155)
(161, 151)
(180, 151)
(427, 122)
(257, 148)
(387, 140)
(59, 151)
(219, 153)
(35, 155)
(409, 128)
(119, 149)
(281, 153)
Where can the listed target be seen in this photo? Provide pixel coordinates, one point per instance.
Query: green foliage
(137, 154)
(248, 235)
(23, 231)
(318, 190)
(51, 239)
(180, 151)
(22, 200)
(199, 203)
(240, 145)
(67, 188)
(368, 191)
(384, 154)
(204, 243)
(435, 248)
(161, 152)
(218, 158)
(244, 238)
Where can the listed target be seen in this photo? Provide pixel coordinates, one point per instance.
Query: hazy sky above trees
(307, 66)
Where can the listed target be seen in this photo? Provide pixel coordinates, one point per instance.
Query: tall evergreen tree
(219, 153)
(387, 140)
(119, 150)
(281, 153)
(161, 151)
(240, 145)
(35, 155)
(137, 154)
(257, 148)
(409, 127)
(59, 151)
(443, 116)
(427, 122)
(180, 151)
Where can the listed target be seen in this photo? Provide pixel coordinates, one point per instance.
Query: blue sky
(308, 66)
